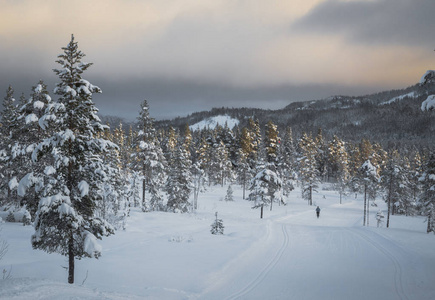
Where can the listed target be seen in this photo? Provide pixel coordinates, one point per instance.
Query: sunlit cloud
(227, 44)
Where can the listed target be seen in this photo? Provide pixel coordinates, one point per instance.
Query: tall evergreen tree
(245, 163)
(254, 140)
(395, 183)
(9, 132)
(427, 197)
(179, 182)
(369, 180)
(309, 173)
(321, 155)
(30, 134)
(243, 170)
(287, 162)
(416, 170)
(339, 160)
(149, 160)
(65, 221)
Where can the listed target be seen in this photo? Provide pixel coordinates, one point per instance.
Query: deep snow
(289, 254)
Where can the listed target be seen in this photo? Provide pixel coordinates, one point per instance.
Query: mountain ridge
(391, 118)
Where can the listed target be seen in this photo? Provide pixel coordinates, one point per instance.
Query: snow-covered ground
(212, 122)
(289, 254)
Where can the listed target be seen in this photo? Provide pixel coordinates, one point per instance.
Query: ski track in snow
(269, 266)
(335, 239)
(398, 273)
(289, 254)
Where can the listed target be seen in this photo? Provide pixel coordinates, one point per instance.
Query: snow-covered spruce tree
(111, 206)
(149, 160)
(271, 145)
(287, 162)
(395, 183)
(265, 187)
(200, 169)
(30, 135)
(407, 204)
(179, 182)
(243, 170)
(308, 171)
(321, 155)
(125, 148)
(254, 138)
(416, 170)
(199, 182)
(218, 226)
(170, 143)
(220, 164)
(65, 221)
(8, 129)
(229, 196)
(369, 180)
(188, 141)
(427, 197)
(227, 136)
(204, 157)
(338, 158)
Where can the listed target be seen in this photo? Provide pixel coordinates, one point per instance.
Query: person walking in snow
(318, 212)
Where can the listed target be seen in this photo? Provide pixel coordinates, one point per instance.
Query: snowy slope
(289, 254)
(401, 97)
(212, 122)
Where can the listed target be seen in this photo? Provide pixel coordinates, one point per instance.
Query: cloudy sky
(190, 55)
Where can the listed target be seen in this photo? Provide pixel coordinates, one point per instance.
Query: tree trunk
(365, 204)
(143, 193)
(244, 184)
(368, 212)
(311, 195)
(389, 203)
(71, 260)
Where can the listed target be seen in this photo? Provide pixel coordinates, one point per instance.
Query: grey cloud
(173, 98)
(170, 98)
(401, 22)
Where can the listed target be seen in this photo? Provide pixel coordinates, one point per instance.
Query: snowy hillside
(289, 254)
(401, 97)
(212, 122)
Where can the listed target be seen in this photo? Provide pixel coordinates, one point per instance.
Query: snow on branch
(428, 104)
(26, 182)
(84, 188)
(91, 245)
(428, 77)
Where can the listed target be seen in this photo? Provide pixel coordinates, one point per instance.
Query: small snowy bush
(379, 218)
(180, 238)
(229, 196)
(26, 218)
(217, 227)
(10, 218)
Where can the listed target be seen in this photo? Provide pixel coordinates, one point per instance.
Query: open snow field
(289, 254)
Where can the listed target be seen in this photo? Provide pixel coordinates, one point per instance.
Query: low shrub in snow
(217, 227)
(10, 218)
